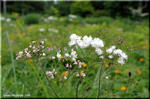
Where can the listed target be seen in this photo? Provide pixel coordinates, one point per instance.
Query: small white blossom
(58, 55)
(110, 56)
(53, 57)
(102, 57)
(72, 16)
(67, 55)
(42, 29)
(8, 20)
(121, 60)
(44, 54)
(110, 50)
(107, 77)
(96, 42)
(98, 51)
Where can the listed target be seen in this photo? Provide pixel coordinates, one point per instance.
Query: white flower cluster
(51, 74)
(86, 42)
(53, 30)
(50, 18)
(42, 30)
(73, 55)
(5, 19)
(80, 74)
(113, 51)
(72, 16)
(50, 30)
(32, 48)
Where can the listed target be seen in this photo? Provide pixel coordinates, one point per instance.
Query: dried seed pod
(129, 74)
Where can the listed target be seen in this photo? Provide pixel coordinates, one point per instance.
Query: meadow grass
(20, 77)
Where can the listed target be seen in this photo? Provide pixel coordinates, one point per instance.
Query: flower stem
(51, 87)
(77, 88)
(99, 81)
(54, 91)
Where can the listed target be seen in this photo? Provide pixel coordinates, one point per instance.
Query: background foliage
(63, 8)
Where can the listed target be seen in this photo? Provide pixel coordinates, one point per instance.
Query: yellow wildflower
(65, 73)
(147, 43)
(29, 60)
(87, 69)
(123, 88)
(82, 71)
(144, 47)
(117, 71)
(84, 65)
(61, 56)
(139, 71)
(141, 59)
(106, 65)
(142, 42)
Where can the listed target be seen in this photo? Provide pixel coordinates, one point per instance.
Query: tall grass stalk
(77, 88)
(99, 81)
(12, 57)
(37, 74)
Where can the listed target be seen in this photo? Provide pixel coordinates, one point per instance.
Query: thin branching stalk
(99, 81)
(111, 85)
(77, 88)
(54, 91)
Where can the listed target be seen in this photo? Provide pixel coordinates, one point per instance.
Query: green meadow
(25, 78)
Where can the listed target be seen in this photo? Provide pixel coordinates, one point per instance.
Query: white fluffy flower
(98, 51)
(74, 38)
(42, 29)
(8, 20)
(96, 42)
(81, 44)
(87, 40)
(124, 55)
(110, 50)
(73, 55)
(43, 54)
(102, 57)
(120, 60)
(53, 57)
(107, 77)
(51, 18)
(72, 43)
(58, 55)
(67, 55)
(117, 51)
(53, 30)
(2, 18)
(121, 54)
(110, 56)
(72, 16)
(51, 73)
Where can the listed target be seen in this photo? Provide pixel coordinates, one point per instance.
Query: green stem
(12, 57)
(37, 74)
(54, 91)
(77, 88)
(99, 82)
